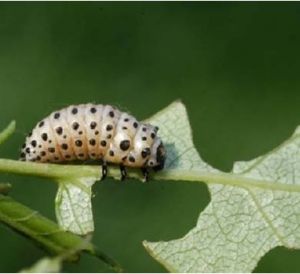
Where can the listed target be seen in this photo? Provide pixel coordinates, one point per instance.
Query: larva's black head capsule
(160, 157)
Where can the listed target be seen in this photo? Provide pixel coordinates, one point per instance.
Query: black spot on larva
(144, 138)
(24, 145)
(78, 143)
(38, 158)
(50, 141)
(43, 153)
(22, 155)
(65, 136)
(144, 129)
(145, 152)
(109, 127)
(40, 146)
(93, 110)
(67, 156)
(135, 124)
(124, 145)
(41, 124)
(33, 143)
(80, 155)
(51, 149)
(34, 152)
(131, 159)
(124, 158)
(152, 135)
(56, 115)
(124, 128)
(151, 163)
(96, 132)
(59, 130)
(93, 125)
(27, 150)
(111, 153)
(108, 136)
(56, 158)
(93, 154)
(103, 143)
(92, 142)
(75, 125)
(126, 120)
(74, 110)
(111, 114)
(64, 146)
(80, 132)
(44, 136)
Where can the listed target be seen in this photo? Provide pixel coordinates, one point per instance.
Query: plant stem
(46, 233)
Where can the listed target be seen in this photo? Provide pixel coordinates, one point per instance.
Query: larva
(97, 132)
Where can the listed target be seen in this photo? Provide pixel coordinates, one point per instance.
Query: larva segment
(61, 136)
(123, 139)
(93, 120)
(76, 125)
(40, 145)
(110, 118)
(142, 143)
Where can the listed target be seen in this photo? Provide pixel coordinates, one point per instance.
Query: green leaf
(73, 204)
(252, 210)
(5, 188)
(7, 132)
(45, 233)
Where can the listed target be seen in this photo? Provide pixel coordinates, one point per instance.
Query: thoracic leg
(104, 170)
(145, 172)
(123, 172)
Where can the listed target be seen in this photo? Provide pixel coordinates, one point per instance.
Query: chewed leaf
(175, 131)
(252, 210)
(73, 205)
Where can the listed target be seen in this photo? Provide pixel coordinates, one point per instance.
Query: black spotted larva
(98, 132)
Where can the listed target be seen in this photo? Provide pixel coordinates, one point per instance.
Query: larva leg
(123, 172)
(104, 171)
(145, 173)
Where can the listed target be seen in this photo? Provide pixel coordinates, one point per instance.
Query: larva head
(158, 155)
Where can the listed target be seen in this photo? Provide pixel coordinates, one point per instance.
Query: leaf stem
(59, 172)
(225, 179)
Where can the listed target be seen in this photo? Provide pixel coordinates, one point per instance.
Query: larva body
(97, 132)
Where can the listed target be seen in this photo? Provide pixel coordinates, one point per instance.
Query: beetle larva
(97, 132)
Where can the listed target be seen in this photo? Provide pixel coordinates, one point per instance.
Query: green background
(234, 65)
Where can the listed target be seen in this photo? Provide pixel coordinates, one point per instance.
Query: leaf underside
(73, 205)
(45, 265)
(243, 221)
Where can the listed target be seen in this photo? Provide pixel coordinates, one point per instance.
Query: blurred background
(234, 65)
